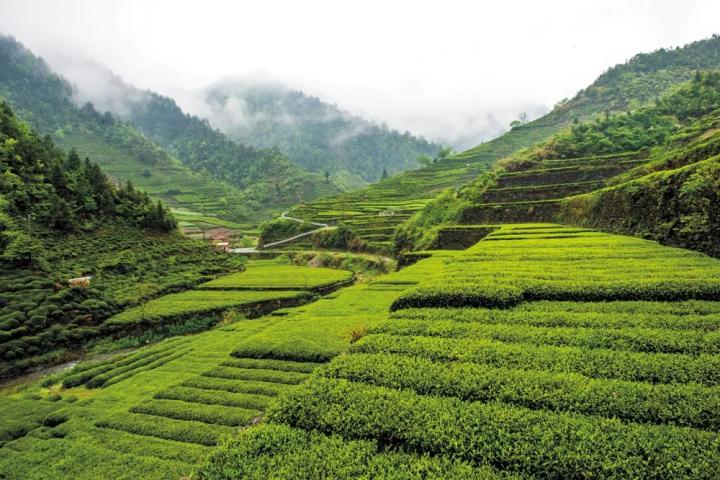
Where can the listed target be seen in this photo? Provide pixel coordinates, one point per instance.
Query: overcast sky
(439, 68)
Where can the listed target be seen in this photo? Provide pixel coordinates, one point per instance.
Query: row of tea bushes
(550, 445)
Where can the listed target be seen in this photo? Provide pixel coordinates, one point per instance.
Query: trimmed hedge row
(270, 364)
(448, 291)
(594, 363)
(549, 445)
(629, 338)
(273, 376)
(114, 377)
(169, 429)
(198, 412)
(281, 452)
(684, 405)
(87, 374)
(227, 385)
(688, 307)
(209, 397)
(563, 318)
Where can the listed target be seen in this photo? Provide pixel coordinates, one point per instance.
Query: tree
(444, 153)
(424, 160)
(521, 120)
(24, 250)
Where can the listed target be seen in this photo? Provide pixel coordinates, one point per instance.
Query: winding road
(284, 216)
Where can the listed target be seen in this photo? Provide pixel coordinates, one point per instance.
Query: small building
(220, 234)
(83, 282)
(222, 246)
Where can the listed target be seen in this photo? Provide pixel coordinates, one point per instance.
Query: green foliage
(257, 374)
(18, 419)
(342, 237)
(554, 445)
(207, 414)
(178, 306)
(161, 427)
(280, 229)
(271, 276)
(278, 452)
(218, 397)
(684, 405)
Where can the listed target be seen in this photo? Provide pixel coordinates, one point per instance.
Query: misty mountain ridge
(150, 141)
(317, 135)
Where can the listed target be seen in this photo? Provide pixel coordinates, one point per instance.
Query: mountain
(653, 172)
(376, 210)
(176, 157)
(315, 134)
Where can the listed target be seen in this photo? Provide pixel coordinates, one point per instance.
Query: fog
(453, 71)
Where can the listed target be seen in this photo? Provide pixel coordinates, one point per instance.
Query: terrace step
(542, 192)
(571, 174)
(519, 212)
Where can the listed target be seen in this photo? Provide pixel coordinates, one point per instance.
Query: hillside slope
(204, 171)
(61, 217)
(651, 172)
(641, 79)
(585, 357)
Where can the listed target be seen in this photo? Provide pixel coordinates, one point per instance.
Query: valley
(187, 301)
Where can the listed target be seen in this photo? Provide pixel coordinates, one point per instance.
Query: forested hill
(646, 75)
(178, 158)
(43, 189)
(315, 134)
(192, 139)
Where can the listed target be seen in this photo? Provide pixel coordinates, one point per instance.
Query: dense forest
(315, 134)
(646, 75)
(42, 188)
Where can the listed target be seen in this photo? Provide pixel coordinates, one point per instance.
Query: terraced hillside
(637, 82)
(376, 210)
(541, 352)
(156, 412)
(536, 194)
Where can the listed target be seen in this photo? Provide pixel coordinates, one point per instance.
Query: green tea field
(584, 355)
(542, 351)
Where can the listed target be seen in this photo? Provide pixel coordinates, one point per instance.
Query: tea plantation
(542, 351)
(585, 355)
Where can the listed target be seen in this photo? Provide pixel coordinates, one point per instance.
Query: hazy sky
(442, 69)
